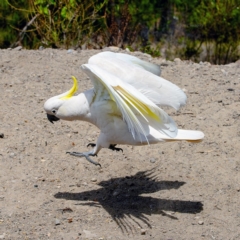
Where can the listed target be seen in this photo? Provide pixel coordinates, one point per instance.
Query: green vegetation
(12, 19)
(191, 29)
(214, 23)
(67, 23)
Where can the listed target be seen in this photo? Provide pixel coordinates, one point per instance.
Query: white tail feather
(187, 135)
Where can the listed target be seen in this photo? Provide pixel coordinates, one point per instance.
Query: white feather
(182, 134)
(151, 67)
(155, 88)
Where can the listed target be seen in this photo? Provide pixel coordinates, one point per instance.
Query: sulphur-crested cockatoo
(124, 104)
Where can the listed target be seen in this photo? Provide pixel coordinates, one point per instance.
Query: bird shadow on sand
(122, 198)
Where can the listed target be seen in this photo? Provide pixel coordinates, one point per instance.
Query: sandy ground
(176, 190)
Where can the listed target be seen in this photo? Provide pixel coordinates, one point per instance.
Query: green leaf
(64, 12)
(53, 2)
(73, 3)
(55, 36)
(36, 2)
(45, 10)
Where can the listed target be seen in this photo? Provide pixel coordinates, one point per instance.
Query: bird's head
(61, 106)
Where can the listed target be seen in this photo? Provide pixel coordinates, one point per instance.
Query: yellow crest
(74, 88)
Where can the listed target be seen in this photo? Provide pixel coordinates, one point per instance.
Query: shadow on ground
(121, 198)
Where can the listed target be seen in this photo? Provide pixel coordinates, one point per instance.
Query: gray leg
(86, 155)
(111, 146)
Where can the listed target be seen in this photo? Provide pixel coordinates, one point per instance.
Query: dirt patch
(176, 190)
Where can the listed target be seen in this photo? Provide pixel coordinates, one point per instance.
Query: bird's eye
(53, 111)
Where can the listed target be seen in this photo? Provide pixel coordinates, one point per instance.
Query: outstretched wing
(134, 106)
(150, 67)
(142, 76)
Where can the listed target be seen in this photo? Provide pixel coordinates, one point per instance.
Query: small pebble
(1, 135)
(200, 222)
(35, 185)
(12, 155)
(177, 60)
(147, 55)
(114, 48)
(93, 179)
(152, 160)
(111, 48)
(2, 236)
(57, 221)
(70, 51)
(18, 48)
(143, 231)
(116, 192)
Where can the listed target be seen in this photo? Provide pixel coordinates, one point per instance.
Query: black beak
(52, 118)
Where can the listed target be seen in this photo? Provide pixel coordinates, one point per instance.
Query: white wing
(151, 67)
(134, 106)
(157, 89)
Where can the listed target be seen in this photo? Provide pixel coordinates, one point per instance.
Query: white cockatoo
(124, 104)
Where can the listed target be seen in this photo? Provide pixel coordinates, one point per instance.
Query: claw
(91, 144)
(86, 155)
(112, 147)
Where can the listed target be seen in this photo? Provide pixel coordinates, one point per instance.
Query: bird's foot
(86, 155)
(112, 147)
(91, 144)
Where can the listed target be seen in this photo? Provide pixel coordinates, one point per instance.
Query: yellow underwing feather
(135, 107)
(131, 119)
(74, 88)
(137, 104)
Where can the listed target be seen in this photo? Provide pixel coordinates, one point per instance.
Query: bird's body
(124, 103)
